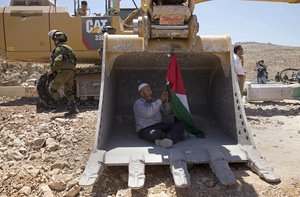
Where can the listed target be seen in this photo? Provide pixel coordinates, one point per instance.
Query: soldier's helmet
(58, 35)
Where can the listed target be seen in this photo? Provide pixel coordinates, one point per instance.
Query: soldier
(62, 67)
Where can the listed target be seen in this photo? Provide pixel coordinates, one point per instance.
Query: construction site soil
(44, 154)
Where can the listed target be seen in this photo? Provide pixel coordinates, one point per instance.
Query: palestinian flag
(178, 97)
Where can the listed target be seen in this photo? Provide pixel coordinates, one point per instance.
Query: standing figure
(82, 11)
(277, 77)
(262, 74)
(285, 77)
(63, 62)
(238, 62)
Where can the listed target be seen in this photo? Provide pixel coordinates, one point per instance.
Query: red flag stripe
(174, 77)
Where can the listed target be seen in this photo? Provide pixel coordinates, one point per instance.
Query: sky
(267, 22)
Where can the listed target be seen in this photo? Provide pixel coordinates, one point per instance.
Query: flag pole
(172, 49)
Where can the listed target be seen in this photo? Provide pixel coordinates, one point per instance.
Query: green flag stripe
(183, 115)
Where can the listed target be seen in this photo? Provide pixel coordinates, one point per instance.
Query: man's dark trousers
(173, 131)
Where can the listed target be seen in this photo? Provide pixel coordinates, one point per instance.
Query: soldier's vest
(69, 58)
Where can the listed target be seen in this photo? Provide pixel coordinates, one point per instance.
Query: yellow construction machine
(213, 95)
(133, 48)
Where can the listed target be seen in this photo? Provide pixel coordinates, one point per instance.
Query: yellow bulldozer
(135, 47)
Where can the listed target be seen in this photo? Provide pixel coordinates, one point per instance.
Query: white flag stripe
(183, 99)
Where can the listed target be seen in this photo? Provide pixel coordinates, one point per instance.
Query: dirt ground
(275, 127)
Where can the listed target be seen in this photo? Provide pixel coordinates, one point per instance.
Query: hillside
(277, 57)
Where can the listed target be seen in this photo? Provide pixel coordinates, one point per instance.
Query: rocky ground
(44, 154)
(14, 73)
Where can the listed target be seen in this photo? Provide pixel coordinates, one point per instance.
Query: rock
(208, 182)
(54, 172)
(34, 76)
(46, 191)
(15, 155)
(58, 165)
(32, 170)
(38, 143)
(34, 156)
(124, 177)
(61, 120)
(25, 190)
(79, 158)
(4, 148)
(57, 185)
(12, 136)
(17, 142)
(73, 191)
(17, 186)
(65, 141)
(42, 128)
(22, 150)
(31, 82)
(18, 116)
(29, 142)
(51, 144)
(71, 184)
(59, 182)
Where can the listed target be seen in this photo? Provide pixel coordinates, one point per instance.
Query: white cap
(52, 32)
(141, 86)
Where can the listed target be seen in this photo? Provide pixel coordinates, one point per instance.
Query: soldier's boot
(61, 106)
(73, 109)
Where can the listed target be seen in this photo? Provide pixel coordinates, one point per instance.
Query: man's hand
(164, 97)
(49, 72)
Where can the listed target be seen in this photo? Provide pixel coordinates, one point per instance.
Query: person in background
(262, 74)
(238, 63)
(285, 77)
(277, 77)
(82, 11)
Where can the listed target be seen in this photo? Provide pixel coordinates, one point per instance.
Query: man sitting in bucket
(154, 119)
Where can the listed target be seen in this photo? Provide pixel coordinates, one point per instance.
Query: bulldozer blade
(220, 167)
(178, 166)
(213, 95)
(136, 169)
(260, 166)
(93, 168)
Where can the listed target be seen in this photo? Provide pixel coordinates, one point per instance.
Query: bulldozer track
(46, 99)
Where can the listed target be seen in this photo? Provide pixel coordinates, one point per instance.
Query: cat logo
(92, 36)
(95, 26)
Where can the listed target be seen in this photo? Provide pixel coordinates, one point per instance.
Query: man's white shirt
(237, 63)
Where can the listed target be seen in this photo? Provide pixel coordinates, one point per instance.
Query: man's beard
(149, 99)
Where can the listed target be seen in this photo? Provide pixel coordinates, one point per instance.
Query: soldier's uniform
(63, 62)
(63, 65)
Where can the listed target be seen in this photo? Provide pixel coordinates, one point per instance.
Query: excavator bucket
(214, 100)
